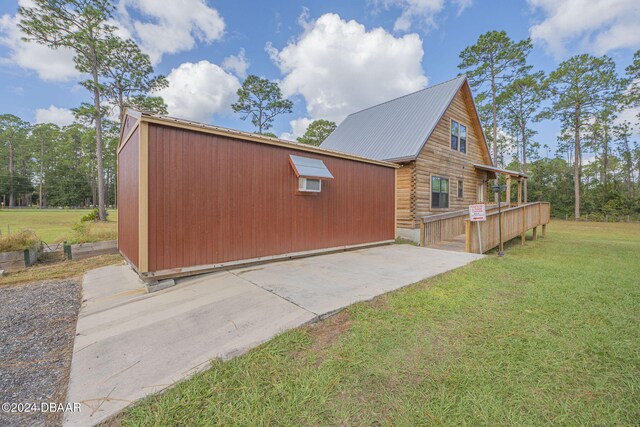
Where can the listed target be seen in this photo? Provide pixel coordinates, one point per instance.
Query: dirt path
(37, 329)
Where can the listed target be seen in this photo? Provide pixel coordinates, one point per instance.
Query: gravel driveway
(37, 329)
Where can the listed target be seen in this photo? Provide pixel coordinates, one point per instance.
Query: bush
(84, 232)
(93, 216)
(19, 241)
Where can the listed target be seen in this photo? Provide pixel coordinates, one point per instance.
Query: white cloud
(55, 115)
(198, 91)
(339, 67)
(422, 12)
(412, 10)
(236, 64)
(595, 26)
(298, 128)
(49, 64)
(173, 27)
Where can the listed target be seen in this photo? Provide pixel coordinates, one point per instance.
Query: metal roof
(396, 129)
(306, 167)
(248, 136)
(501, 171)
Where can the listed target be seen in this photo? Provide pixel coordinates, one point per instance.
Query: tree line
(80, 157)
(586, 94)
(76, 165)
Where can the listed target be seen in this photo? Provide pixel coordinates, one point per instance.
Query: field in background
(56, 225)
(547, 335)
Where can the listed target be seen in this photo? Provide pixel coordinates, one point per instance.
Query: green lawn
(54, 225)
(548, 335)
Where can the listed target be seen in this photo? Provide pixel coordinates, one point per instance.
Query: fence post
(422, 231)
(67, 250)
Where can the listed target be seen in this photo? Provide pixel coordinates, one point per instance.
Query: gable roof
(396, 130)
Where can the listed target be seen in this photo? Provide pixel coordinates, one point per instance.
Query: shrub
(84, 232)
(92, 216)
(19, 241)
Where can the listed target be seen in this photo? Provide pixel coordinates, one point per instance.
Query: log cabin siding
(215, 199)
(405, 193)
(128, 195)
(437, 158)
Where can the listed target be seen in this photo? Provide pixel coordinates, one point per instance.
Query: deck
(456, 244)
(455, 232)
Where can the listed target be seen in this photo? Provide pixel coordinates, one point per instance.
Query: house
(436, 137)
(194, 197)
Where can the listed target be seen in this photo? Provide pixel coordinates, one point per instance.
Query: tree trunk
(576, 164)
(495, 127)
(605, 157)
(524, 162)
(40, 203)
(102, 211)
(12, 167)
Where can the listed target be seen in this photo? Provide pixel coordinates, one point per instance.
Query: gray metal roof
(396, 129)
(307, 167)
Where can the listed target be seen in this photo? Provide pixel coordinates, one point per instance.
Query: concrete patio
(130, 344)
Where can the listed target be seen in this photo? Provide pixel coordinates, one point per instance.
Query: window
(454, 135)
(439, 192)
(463, 139)
(458, 137)
(460, 189)
(310, 185)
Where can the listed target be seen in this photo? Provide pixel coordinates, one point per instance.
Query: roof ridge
(408, 94)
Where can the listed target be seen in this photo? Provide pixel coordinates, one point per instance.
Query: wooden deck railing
(516, 221)
(446, 226)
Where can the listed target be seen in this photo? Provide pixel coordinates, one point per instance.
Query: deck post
(422, 231)
(535, 233)
(467, 235)
(519, 191)
(544, 230)
(523, 235)
(508, 195)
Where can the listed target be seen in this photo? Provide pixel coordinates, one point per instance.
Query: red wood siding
(128, 178)
(215, 199)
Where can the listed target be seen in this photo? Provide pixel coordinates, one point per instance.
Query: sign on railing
(477, 213)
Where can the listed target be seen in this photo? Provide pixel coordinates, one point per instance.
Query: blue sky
(331, 57)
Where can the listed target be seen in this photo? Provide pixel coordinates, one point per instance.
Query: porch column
(508, 190)
(519, 191)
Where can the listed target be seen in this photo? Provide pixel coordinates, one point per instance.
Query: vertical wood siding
(128, 168)
(215, 199)
(437, 158)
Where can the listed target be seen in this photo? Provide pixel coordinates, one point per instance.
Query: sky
(331, 58)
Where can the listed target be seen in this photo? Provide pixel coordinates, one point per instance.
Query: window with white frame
(310, 185)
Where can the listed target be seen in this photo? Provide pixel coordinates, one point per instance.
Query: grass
(56, 225)
(59, 269)
(548, 335)
(21, 240)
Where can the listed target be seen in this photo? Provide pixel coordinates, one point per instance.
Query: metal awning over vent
(306, 167)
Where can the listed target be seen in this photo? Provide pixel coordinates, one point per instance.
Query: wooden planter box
(17, 260)
(86, 250)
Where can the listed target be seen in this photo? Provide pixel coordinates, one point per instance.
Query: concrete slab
(130, 343)
(327, 283)
(134, 348)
